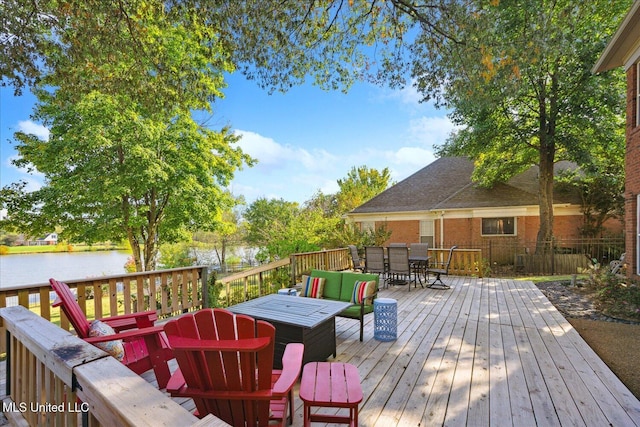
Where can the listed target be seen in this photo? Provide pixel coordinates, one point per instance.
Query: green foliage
(360, 185)
(125, 159)
(518, 79)
(278, 44)
(174, 255)
(214, 290)
(616, 296)
(350, 234)
(602, 192)
(280, 228)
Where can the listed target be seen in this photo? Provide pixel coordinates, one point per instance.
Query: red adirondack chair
(225, 364)
(145, 345)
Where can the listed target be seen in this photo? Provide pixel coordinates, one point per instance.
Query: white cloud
(29, 127)
(429, 131)
(272, 155)
(413, 156)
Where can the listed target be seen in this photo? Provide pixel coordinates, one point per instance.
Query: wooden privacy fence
(169, 292)
(56, 379)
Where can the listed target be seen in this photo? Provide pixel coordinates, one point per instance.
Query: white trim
(532, 210)
(633, 58)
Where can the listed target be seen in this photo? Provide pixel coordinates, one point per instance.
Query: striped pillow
(361, 290)
(312, 287)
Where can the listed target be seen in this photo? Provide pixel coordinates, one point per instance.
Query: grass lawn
(62, 248)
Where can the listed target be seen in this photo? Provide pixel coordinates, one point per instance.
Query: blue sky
(304, 140)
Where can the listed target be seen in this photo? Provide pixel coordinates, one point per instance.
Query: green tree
(360, 185)
(125, 158)
(228, 235)
(517, 77)
(278, 44)
(279, 228)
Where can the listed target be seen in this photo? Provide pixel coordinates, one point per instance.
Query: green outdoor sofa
(339, 286)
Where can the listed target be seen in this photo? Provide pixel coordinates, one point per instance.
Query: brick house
(624, 51)
(440, 205)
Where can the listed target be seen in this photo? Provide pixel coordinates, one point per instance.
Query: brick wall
(469, 230)
(632, 172)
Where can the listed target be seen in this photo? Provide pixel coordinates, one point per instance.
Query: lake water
(31, 269)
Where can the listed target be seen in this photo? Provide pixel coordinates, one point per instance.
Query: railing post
(204, 277)
(292, 257)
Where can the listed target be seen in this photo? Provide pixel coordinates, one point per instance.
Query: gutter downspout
(442, 229)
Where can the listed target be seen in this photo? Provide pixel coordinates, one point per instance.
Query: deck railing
(56, 379)
(169, 292)
(464, 262)
(268, 278)
(49, 366)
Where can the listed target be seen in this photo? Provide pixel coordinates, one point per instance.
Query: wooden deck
(487, 352)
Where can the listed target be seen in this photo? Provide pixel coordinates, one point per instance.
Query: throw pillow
(312, 287)
(101, 329)
(361, 290)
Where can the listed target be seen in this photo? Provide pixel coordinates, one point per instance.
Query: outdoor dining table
(310, 321)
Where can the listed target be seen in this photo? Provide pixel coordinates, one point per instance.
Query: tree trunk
(546, 132)
(545, 194)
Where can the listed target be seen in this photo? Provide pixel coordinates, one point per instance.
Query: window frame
(515, 226)
(427, 226)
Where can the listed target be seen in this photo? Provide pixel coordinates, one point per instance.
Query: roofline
(443, 211)
(618, 48)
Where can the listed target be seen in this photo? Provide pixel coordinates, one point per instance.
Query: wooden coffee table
(310, 321)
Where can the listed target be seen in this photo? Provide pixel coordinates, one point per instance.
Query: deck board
(487, 352)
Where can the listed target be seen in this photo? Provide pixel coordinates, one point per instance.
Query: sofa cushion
(354, 311)
(348, 281)
(332, 284)
(312, 287)
(361, 290)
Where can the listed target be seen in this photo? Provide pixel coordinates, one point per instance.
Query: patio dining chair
(355, 258)
(374, 260)
(419, 259)
(131, 338)
(440, 268)
(400, 269)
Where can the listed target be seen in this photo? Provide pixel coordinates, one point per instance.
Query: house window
(499, 226)
(368, 226)
(426, 232)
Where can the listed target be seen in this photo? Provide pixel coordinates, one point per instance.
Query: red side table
(330, 385)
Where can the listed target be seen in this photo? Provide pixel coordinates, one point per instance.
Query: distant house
(50, 239)
(440, 205)
(624, 51)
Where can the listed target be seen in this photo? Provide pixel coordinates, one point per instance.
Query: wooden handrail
(169, 292)
(464, 262)
(55, 378)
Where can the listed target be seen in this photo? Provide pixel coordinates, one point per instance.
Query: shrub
(616, 296)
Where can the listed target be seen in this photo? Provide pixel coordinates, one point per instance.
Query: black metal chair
(399, 266)
(374, 261)
(419, 259)
(355, 259)
(440, 269)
